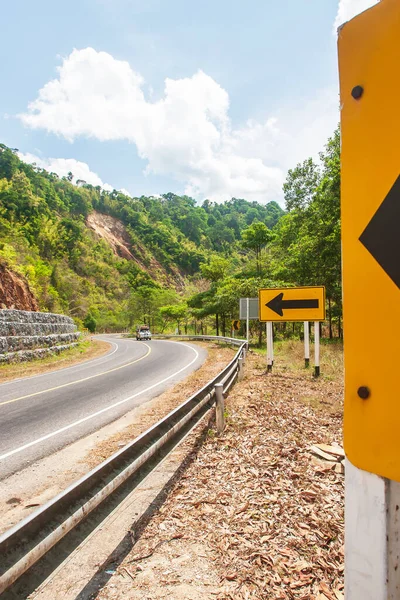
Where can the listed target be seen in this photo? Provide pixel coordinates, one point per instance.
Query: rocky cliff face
(15, 292)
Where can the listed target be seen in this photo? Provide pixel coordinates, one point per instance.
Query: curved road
(43, 413)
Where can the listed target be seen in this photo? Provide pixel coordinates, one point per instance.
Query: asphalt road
(43, 413)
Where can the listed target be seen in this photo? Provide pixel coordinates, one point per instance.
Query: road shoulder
(88, 349)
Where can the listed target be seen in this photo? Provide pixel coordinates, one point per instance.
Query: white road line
(99, 412)
(68, 384)
(63, 369)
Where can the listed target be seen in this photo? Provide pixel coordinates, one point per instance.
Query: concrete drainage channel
(26, 543)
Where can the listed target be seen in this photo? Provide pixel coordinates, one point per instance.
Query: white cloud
(62, 166)
(350, 8)
(187, 134)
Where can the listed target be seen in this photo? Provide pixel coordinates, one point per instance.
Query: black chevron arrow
(278, 304)
(381, 235)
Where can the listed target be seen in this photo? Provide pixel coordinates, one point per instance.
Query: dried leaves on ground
(257, 514)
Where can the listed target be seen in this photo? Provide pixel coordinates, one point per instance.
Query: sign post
(306, 344)
(369, 58)
(270, 346)
(316, 349)
(271, 337)
(247, 318)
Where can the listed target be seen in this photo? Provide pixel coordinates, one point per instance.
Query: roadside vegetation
(189, 263)
(289, 358)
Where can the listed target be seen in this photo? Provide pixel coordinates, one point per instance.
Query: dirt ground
(256, 514)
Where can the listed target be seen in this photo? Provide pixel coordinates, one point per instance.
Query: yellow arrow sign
(236, 325)
(369, 58)
(292, 304)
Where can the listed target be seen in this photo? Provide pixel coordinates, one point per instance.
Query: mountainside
(85, 251)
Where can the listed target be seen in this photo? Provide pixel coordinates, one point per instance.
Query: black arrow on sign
(381, 235)
(277, 304)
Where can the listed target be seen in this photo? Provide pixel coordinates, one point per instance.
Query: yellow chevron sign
(369, 59)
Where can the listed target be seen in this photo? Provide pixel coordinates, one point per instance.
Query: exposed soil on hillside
(15, 291)
(113, 231)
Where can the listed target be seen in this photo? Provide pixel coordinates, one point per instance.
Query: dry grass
(289, 357)
(86, 350)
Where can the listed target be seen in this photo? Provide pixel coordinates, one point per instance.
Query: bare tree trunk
(217, 324)
(330, 319)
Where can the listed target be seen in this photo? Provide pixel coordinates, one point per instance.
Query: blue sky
(215, 98)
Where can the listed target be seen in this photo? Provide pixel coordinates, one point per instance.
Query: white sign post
(316, 349)
(306, 344)
(247, 319)
(270, 346)
(271, 337)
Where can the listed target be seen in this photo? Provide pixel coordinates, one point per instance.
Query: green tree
(300, 184)
(215, 269)
(90, 322)
(255, 238)
(175, 313)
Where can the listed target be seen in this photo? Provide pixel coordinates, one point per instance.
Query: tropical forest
(112, 261)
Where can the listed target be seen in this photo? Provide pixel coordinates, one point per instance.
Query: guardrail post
(219, 407)
(244, 356)
(241, 369)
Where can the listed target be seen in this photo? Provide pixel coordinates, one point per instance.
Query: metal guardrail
(28, 541)
(202, 338)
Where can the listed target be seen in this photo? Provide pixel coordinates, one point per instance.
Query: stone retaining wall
(25, 335)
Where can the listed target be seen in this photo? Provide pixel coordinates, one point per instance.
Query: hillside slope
(114, 232)
(86, 251)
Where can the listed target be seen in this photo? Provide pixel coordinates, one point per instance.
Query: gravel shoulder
(256, 514)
